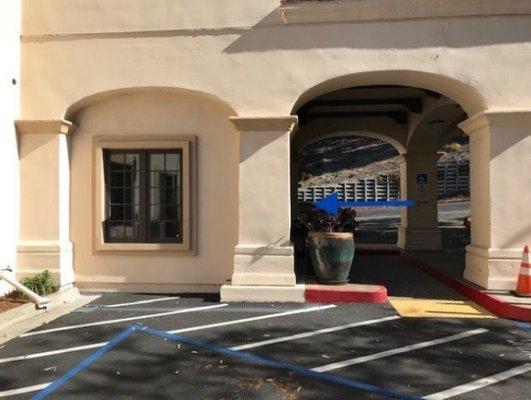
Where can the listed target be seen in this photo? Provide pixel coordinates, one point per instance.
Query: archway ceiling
(395, 102)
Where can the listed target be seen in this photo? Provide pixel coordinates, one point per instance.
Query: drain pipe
(41, 302)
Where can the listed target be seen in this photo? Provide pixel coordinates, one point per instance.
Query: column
(500, 181)
(263, 258)
(418, 182)
(44, 242)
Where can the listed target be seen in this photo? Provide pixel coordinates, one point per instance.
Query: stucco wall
(9, 111)
(261, 60)
(155, 112)
(245, 53)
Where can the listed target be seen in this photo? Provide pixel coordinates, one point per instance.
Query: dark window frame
(144, 193)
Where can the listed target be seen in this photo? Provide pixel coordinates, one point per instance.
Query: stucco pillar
(45, 200)
(500, 178)
(418, 182)
(264, 255)
(263, 258)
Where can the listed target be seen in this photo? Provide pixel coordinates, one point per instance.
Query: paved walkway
(453, 264)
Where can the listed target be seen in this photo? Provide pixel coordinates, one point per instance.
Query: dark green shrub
(314, 219)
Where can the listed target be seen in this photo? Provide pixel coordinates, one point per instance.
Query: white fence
(451, 178)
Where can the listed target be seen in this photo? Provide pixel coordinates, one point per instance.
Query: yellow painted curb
(432, 308)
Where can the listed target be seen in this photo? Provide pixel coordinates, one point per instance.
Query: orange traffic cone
(523, 287)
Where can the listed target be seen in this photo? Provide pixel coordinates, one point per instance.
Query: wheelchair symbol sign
(422, 179)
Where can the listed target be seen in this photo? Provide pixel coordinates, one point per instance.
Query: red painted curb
(341, 294)
(494, 305)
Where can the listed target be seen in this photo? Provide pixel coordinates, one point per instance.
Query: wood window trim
(187, 144)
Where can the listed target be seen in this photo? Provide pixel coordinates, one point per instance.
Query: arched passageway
(416, 122)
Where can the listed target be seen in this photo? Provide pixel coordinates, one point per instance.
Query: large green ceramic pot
(331, 255)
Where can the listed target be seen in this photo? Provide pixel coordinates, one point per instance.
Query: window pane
(132, 161)
(173, 162)
(130, 178)
(155, 179)
(117, 161)
(131, 229)
(170, 196)
(171, 179)
(155, 230)
(155, 196)
(117, 179)
(128, 212)
(116, 230)
(172, 230)
(156, 162)
(171, 212)
(117, 212)
(117, 196)
(155, 213)
(131, 195)
(164, 195)
(123, 193)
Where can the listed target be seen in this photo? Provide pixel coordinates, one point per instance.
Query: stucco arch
(428, 132)
(462, 93)
(89, 100)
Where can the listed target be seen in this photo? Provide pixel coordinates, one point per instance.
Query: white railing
(452, 178)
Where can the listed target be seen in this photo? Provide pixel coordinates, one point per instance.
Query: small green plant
(40, 283)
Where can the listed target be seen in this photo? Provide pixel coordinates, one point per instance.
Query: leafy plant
(40, 283)
(316, 220)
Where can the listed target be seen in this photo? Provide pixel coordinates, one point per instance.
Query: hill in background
(347, 159)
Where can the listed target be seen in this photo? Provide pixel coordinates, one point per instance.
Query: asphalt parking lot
(131, 346)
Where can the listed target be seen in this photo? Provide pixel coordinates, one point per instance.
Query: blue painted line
(84, 364)
(221, 350)
(524, 326)
(279, 364)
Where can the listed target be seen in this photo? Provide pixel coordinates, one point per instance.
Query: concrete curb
(27, 317)
(29, 309)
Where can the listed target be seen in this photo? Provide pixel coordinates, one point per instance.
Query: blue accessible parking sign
(422, 179)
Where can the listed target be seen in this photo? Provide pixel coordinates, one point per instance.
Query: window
(143, 196)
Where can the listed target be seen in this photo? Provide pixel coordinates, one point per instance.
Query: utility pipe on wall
(41, 302)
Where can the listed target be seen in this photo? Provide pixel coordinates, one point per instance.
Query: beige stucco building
(156, 139)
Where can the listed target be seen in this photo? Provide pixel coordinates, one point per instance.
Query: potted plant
(330, 242)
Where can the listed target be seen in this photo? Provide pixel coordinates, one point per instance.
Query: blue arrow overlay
(331, 204)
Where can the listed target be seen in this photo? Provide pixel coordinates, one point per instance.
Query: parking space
(264, 351)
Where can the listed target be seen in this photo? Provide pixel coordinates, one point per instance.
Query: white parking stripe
(480, 383)
(399, 350)
(312, 333)
(22, 390)
(52, 352)
(250, 319)
(116, 321)
(141, 302)
(194, 328)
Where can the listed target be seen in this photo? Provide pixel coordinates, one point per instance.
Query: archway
(416, 120)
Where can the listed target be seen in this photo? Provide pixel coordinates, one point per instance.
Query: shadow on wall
(452, 33)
